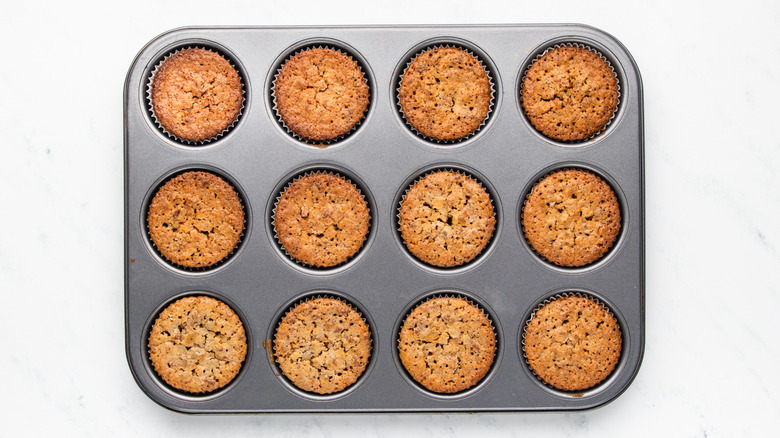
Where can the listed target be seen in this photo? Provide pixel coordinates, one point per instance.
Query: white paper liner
(369, 358)
(461, 172)
(202, 268)
(528, 195)
(600, 55)
(548, 301)
(150, 106)
(451, 294)
(308, 141)
(491, 105)
(276, 204)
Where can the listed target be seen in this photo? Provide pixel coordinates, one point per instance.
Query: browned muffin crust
(195, 219)
(321, 94)
(572, 343)
(321, 220)
(196, 94)
(571, 217)
(197, 344)
(447, 344)
(445, 93)
(446, 219)
(322, 345)
(570, 93)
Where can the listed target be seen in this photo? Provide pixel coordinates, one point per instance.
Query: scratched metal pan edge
(384, 281)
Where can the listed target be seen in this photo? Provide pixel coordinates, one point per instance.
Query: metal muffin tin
(384, 281)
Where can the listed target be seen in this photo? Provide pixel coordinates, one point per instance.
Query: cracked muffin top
(445, 93)
(570, 93)
(321, 220)
(572, 343)
(322, 345)
(321, 94)
(571, 217)
(446, 219)
(197, 344)
(447, 344)
(195, 219)
(196, 94)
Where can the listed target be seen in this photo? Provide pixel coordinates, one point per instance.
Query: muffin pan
(383, 155)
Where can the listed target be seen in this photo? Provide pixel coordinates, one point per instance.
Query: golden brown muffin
(321, 94)
(197, 344)
(572, 343)
(571, 218)
(445, 93)
(321, 220)
(446, 219)
(570, 93)
(196, 219)
(322, 345)
(196, 94)
(447, 344)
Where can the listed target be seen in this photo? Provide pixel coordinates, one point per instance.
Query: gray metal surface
(384, 281)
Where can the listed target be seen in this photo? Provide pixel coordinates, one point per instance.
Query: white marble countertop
(710, 75)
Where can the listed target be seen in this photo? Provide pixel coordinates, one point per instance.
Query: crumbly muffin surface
(196, 94)
(571, 218)
(447, 344)
(572, 343)
(321, 220)
(445, 93)
(570, 93)
(322, 345)
(321, 94)
(195, 219)
(446, 219)
(197, 344)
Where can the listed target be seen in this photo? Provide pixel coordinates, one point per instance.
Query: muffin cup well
(150, 105)
(448, 293)
(239, 243)
(180, 393)
(334, 140)
(493, 202)
(537, 58)
(603, 382)
(613, 245)
(314, 171)
(440, 45)
(271, 345)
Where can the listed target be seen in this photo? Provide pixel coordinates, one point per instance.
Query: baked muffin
(571, 218)
(322, 345)
(196, 219)
(321, 220)
(196, 94)
(570, 93)
(572, 343)
(447, 344)
(446, 219)
(321, 94)
(197, 344)
(445, 93)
